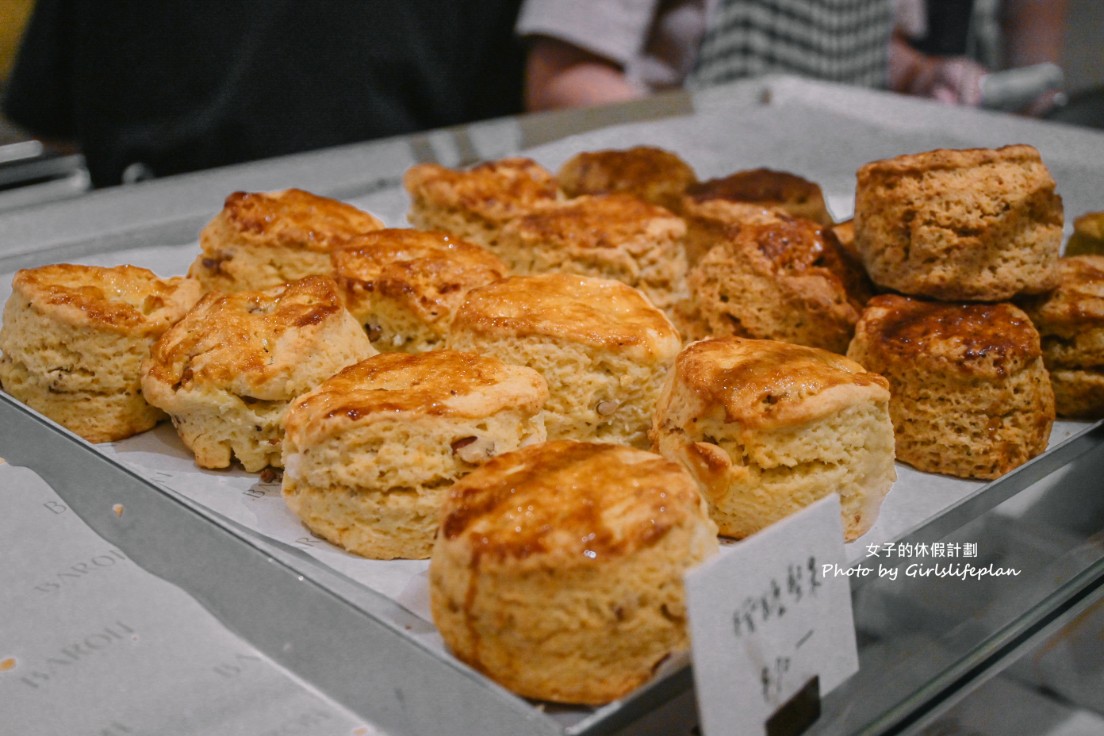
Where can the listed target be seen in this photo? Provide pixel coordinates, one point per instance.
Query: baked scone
(768, 427)
(226, 372)
(970, 394)
(369, 454)
(475, 203)
(601, 345)
(613, 236)
(651, 173)
(74, 338)
(785, 279)
(758, 189)
(960, 225)
(1088, 235)
(558, 569)
(404, 285)
(1070, 321)
(263, 239)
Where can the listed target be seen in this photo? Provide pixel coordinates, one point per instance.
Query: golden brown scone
(558, 568)
(404, 285)
(475, 203)
(73, 341)
(653, 174)
(601, 345)
(226, 372)
(1088, 235)
(613, 236)
(768, 427)
(960, 225)
(971, 396)
(263, 239)
(369, 455)
(786, 279)
(1070, 320)
(845, 236)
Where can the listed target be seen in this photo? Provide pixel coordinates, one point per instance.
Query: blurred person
(156, 88)
(584, 52)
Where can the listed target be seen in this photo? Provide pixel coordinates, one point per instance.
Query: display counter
(143, 595)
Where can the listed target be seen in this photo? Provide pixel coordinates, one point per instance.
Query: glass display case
(930, 644)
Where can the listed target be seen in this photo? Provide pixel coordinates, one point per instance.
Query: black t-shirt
(179, 85)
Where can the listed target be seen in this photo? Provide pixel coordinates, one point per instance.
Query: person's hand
(955, 80)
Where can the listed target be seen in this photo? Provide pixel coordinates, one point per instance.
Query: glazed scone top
(125, 299)
(766, 188)
(795, 246)
(1078, 302)
(985, 339)
(429, 269)
(566, 503)
(260, 344)
(293, 218)
(436, 383)
(594, 311)
(769, 383)
(647, 171)
(599, 221)
(495, 190)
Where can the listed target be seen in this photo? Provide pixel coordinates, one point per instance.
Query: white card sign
(767, 616)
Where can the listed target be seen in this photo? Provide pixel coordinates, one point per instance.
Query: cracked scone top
(972, 224)
(226, 372)
(263, 239)
(653, 174)
(74, 338)
(370, 453)
(557, 569)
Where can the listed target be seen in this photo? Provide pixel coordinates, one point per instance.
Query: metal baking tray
(368, 644)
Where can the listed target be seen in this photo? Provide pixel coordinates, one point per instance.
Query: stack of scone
(227, 371)
(969, 229)
(264, 239)
(74, 338)
(370, 454)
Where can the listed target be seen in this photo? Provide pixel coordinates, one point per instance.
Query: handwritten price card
(770, 622)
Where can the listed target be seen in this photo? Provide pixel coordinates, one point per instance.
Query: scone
(970, 394)
(404, 285)
(786, 279)
(1088, 235)
(653, 174)
(601, 345)
(960, 225)
(263, 239)
(74, 338)
(768, 427)
(558, 569)
(369, 455)
(226, 372)
(1070, 321)
(475, 203)
(614, 236)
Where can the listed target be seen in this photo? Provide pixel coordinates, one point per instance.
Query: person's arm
(953, 80)
(1033, 31)
(559, 74)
